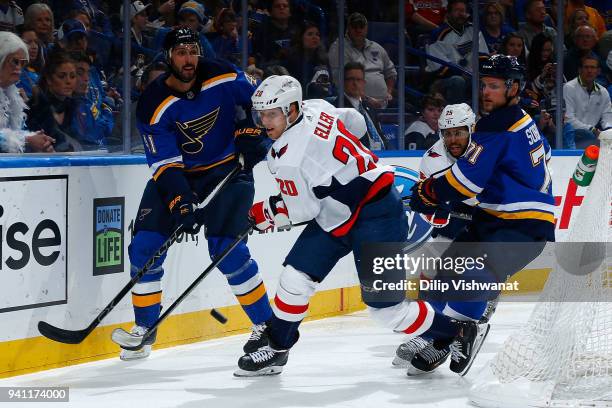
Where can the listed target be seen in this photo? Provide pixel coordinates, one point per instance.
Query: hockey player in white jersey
(330, 181)
(456, 124)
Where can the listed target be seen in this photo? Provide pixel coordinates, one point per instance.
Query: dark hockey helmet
(180, 36)
(505, 67)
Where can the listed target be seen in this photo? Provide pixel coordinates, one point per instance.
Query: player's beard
(182, 75)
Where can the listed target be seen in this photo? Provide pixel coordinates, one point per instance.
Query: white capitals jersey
(435, 161)
(322, 169)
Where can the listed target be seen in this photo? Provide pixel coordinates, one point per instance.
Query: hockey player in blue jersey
(187, 121)
(505, 170)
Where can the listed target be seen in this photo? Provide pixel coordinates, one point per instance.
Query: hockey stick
(77, 336)
(130, 341)
(453, 214)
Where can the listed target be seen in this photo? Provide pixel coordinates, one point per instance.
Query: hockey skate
(144, 351)
(257, 339)
(466, 346)
(265, 361)
(406, 351)
(427, 360)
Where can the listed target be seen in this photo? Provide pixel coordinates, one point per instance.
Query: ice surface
(339, 362)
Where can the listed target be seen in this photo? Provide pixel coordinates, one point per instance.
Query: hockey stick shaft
(77, 336)
(196, 282)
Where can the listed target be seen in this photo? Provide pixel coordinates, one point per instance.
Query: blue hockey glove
(423, 199)
(252, 144)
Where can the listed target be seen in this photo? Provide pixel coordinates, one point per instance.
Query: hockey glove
(423, 199)
(252, 144)
(183, 210)
(266, 214)
(438, 219)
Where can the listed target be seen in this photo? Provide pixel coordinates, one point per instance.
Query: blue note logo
(419, 230)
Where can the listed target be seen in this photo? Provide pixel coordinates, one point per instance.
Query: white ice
(343, 361)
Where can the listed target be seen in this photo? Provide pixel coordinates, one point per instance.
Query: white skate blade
(130, 355)
(399, 363)
(412, 371)
(127, 341)
(273, 370)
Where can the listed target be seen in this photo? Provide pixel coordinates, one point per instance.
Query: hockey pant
(380, 221)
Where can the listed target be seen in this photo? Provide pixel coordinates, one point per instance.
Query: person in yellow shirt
(595, 18)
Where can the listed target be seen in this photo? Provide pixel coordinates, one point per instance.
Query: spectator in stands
(540, 88)
(585, 40)
(72, 36)
(540, 63)
(453, 42)
(595, 18)
(355, 97)
(307, 53)
(492, 26)
(142, 44)
(93, 120)
(14, 137)
(11, 16)
(423, 133)
(577, 19)
(424, 16)
(53, 108)
(274, 70)
(535, 15)
(380, 70)
(30, 73)
(39, 18)
(514, 45)
(192, 15)
(272, 38)
(225, 40)
(587, 105)
(81, 15)
(255, 72)
(320, 85)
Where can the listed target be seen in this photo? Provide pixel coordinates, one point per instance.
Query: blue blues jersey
(194, 130)
(505, 169)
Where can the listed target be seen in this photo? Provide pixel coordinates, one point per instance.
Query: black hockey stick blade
(62, 335)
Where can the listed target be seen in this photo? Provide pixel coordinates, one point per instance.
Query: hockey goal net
(563, 355)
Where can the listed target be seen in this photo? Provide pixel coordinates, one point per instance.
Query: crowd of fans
(61, 61)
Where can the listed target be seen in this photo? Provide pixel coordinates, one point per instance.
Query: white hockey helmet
(278, 91)
(458, 115)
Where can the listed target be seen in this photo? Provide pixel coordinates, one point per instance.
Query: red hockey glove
(439, 219)
(269, 213)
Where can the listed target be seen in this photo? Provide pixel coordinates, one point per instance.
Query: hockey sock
(242, 274)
